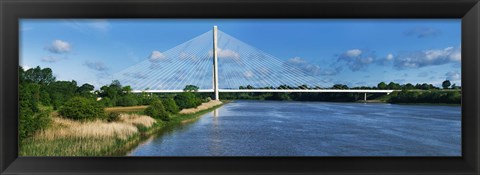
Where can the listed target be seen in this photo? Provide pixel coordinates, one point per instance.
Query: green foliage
(452, 97)
(187, 100)
(127, 100)
(157, 110)
(45, 97)
(38, 75)
(279, 96)
(61, 91)
(190, 88)
(126, 89)
(111, 91)
(113, 116)
(446, 84)
(393, 85)
(107, 102)
(85, 90)
(382, 85)
(31, 119)
(170, 105)
(81, 108)
(340, 86)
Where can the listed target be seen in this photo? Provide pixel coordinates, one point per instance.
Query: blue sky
(353, 52)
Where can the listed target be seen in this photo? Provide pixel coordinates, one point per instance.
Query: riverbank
(203, 106)
(101, 138)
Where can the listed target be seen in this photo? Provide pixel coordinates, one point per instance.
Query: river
(281, 128)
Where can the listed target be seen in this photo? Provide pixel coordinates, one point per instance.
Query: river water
(280, 128)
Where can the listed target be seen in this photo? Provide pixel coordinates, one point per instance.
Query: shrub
(113, 116)
(31, 119)
(81, 108)
(170, 105)
(187, 100)
(157, 110)
(127, 100)
(106, 102)
(32, 122)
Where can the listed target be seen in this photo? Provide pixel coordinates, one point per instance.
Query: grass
(95, 138)
(67, 137)
(129, 109)
(184, 118)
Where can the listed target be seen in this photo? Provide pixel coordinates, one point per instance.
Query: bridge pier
(365, 96)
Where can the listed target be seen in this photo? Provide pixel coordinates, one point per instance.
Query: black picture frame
(13, 10)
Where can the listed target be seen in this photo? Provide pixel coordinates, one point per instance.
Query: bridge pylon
(215, 64)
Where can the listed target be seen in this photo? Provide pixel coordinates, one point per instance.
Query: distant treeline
(419, 93)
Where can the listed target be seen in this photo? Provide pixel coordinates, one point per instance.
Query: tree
(126, 89)
(157, 110)
(454, 86)
(186, 100)
(38, 75)
(393, 85)
(446, 84)
(61, 91)
(170, 105)
(190, 88)
(339, 86)
(382, 85)
(279, 96)
(85, 90)
(408, 86)
(127, 100)
(304, 86)
(81, 108)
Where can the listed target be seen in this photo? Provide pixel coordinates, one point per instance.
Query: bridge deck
(274, 90)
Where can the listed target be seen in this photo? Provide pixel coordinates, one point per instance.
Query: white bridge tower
(215, 64)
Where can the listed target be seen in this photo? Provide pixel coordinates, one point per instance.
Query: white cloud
(389, 57)
(356, 59)
(353, 53)
(184, 55)
(309, 68)
(59, 47)
(297, 60)
(26, 67)
(456, 55)
(227, 53)
(384, 61)
(366, 60)
(156, 56)
(428, 58)
(99, 66)
(453, 75)
(50, 59)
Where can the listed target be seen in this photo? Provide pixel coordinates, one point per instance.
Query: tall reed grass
(93, 138)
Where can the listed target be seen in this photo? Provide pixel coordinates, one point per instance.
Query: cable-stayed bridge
(217, 62)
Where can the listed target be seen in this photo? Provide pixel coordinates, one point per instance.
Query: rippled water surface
(279, 128)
